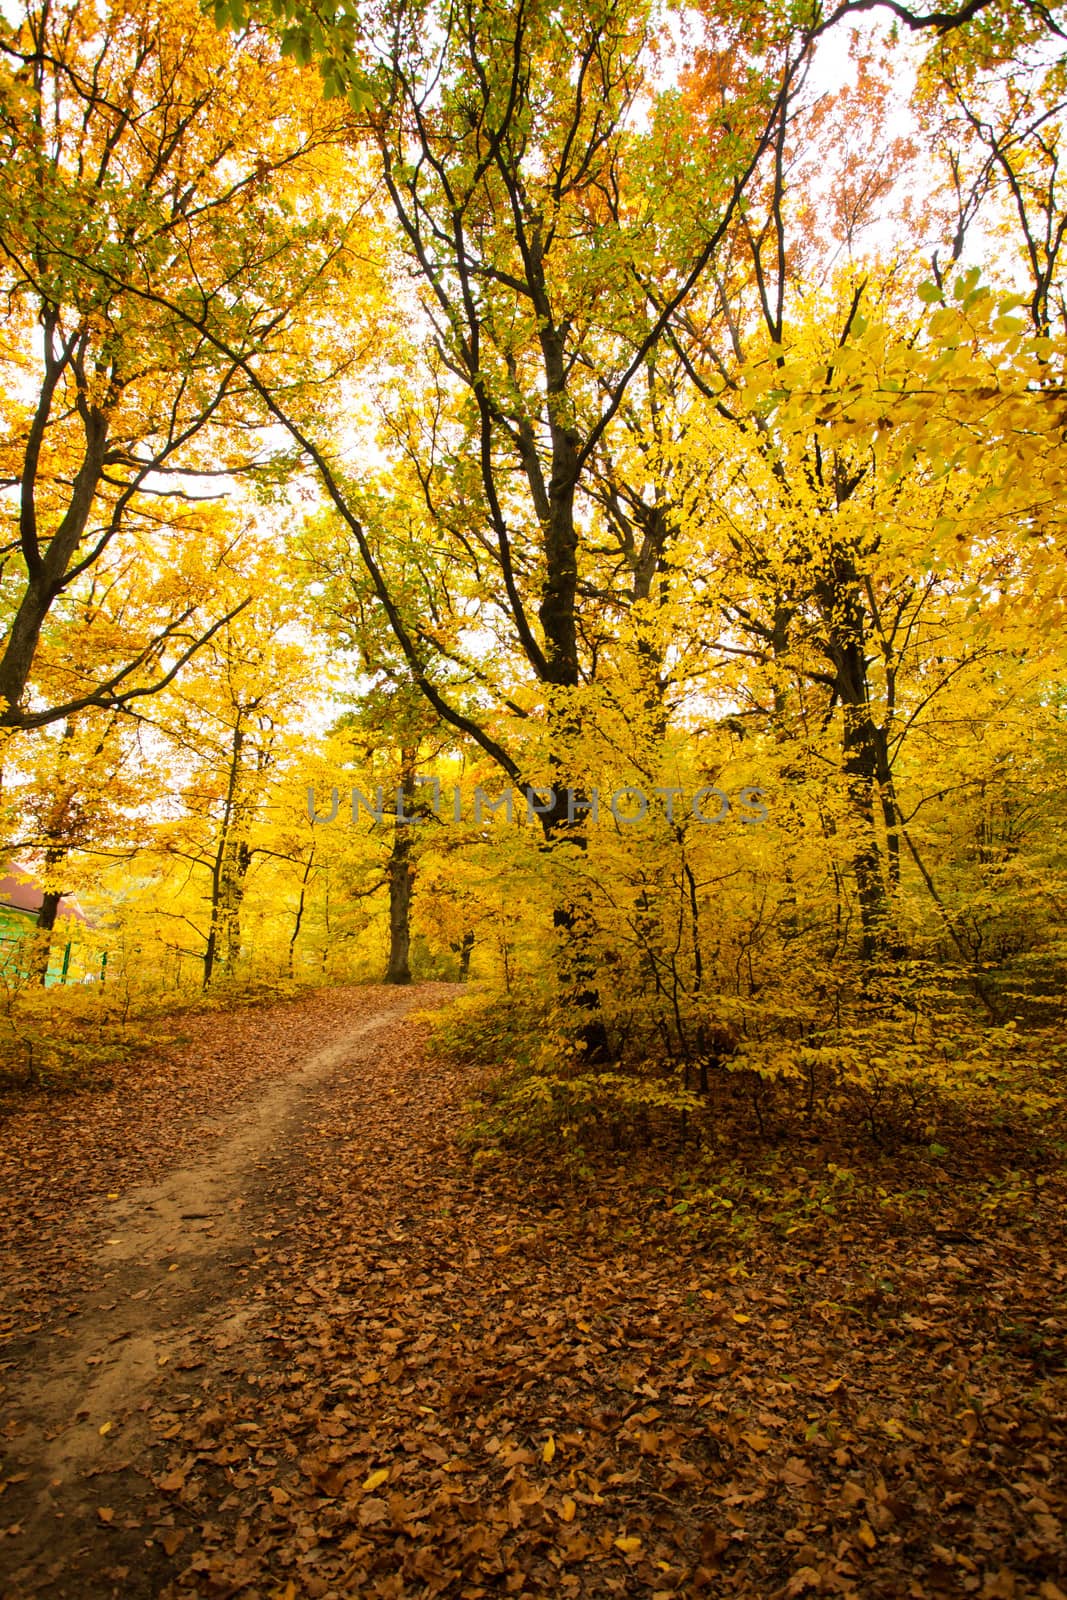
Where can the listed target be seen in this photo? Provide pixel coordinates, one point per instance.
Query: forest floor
(271, 1333)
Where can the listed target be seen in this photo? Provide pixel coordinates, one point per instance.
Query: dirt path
(163, 1265)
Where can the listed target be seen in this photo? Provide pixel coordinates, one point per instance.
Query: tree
(993, 104)
(228, 724)
(72, 802)
(142, 151)
(393, 729)
(521, 224)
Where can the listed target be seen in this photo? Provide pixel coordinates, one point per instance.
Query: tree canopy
(642, 424)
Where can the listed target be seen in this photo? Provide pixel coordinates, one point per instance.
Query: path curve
(163, 1278)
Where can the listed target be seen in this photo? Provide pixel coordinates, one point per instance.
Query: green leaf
(229, 14)
(966, 283)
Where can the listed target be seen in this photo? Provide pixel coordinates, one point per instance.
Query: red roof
(20, 891)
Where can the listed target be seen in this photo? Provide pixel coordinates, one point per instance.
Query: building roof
(20, 891)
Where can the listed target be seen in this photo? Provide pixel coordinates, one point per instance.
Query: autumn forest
(533, 741)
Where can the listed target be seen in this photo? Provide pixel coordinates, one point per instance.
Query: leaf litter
(403, 1376)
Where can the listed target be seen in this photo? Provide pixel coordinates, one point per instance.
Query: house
(20, 902)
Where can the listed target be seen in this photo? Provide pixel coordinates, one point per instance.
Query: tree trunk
(47, 567)
(576, 964)
(300, 908)
(228, 870)
(861, 775)
(464, 949)
(237, 865)
(401, 876)
(859, 743)
(42, 938)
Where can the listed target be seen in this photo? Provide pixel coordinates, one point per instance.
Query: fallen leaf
(803, 1579)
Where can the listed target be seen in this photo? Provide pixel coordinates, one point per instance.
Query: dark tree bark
(400, 874)
(229, 870)
(300, 909)
(42, 938)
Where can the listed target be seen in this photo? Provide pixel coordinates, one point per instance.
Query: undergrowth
(973, 1095)
(67, 1038)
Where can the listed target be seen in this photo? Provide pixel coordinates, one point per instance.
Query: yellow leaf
(757, 1441)
(567, 1509)
(105, 1427)
(628, 1544)
(866, 1535)
(739, 1316)
(549, 1451)
(376, 1479)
